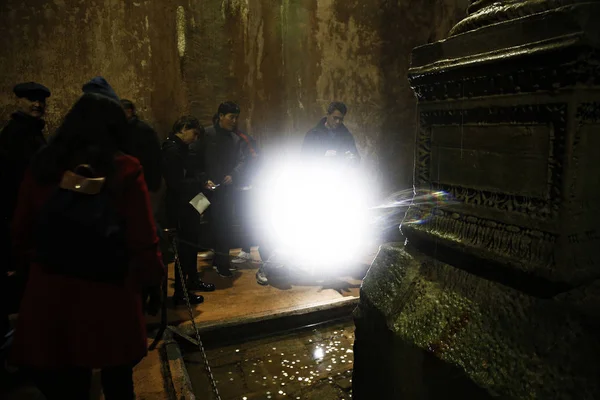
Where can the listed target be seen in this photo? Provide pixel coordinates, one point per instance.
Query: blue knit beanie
(99, 85)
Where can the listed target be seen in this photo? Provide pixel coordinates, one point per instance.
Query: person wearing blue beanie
(99, 85)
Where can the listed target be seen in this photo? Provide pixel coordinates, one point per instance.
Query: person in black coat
(20, 140)
(225, 168)
(330, 139)
(144, 145)
(184, 182)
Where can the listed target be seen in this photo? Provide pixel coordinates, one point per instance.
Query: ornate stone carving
(588, 112)
(504, 235)
(563, 208)
(541, 208)
(487, 12)
(530, 176)
(549, 75)
(509, 127)
(532, 248)
(477, 5)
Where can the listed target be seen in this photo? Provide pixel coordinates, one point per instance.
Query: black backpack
(83, 236)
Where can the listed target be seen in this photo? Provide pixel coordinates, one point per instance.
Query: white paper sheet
(200, 202)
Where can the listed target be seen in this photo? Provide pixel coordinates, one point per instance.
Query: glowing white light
(318, 353)
(317, 216)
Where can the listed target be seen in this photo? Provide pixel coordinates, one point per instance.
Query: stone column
(496, 292)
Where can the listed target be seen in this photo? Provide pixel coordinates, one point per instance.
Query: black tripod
(171, 237)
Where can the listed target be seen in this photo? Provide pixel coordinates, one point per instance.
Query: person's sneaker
(224, 271)
(242, 257)
(261, 277)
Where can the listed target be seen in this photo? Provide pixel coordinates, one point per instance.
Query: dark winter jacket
(320, 140)
(251, 157)
(223, 155)
(143, 144)
(20, 140)
(183, 179)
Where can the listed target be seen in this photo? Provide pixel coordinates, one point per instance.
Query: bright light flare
(317, 215)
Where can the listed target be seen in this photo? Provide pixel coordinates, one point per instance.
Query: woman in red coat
(69, 325)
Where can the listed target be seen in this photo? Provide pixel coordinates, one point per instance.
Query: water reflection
(312, 364)
(318, 354)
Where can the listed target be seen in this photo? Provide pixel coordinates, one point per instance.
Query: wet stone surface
(311, 364)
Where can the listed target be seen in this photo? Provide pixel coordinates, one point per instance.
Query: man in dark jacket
(331, 139)
(183, 184)
(20, 140)
(225, 166)
(144, 145)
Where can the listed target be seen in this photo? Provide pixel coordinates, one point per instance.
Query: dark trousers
(75, 383)
(221, 221)
(246, 214)
(188, 237)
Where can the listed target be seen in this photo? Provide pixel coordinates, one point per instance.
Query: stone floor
(313, 364)
(149, 379)
(241, 296)
(238, 297)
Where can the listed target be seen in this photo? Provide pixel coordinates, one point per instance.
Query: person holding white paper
(185, 182)
(225, 162)
(330, 139)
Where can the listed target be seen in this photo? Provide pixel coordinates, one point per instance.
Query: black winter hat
(31, 91)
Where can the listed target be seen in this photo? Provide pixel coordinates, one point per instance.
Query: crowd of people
(81, 220)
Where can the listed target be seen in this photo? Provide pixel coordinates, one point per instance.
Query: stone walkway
(241, 296)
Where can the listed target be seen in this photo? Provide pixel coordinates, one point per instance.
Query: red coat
(65, 321)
